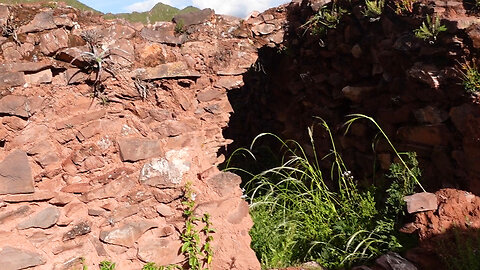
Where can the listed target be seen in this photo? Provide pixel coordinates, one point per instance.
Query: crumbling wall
(94, 168)
(412, 88)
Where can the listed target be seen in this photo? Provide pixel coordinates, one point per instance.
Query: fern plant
(430, 29)
(374, 9)
(326, 18)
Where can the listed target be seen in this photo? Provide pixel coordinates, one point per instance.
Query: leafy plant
(471, 77)
(430, 29)
(373, 9)
(107, 265)
(199, 257)
(326, 18)
(152, 266)
(98, 59)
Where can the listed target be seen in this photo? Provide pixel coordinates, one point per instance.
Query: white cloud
(239, 8)
(146, 5)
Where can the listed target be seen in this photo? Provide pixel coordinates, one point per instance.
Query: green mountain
(160, 12)
(72, 3)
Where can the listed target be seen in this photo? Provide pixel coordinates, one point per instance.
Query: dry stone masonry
(84, 178)
(93, 162)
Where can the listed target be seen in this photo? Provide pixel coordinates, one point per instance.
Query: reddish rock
(230, 82)
(163, 33)
(263, 29)
(79, 229)
(24, 67)
(35, 197)
(77, 188)
(4, 15)
(111, 190)
(20, 105)
(12, 79)
(53, 41)
(209, 94)
(167, 195)
(44, 76)
(165, 210)
(127, 234)
(164, 71)
(163, 173)
(225, 184)
(43, 219)
(15, 174)
(80, 119)
(420, 202)
(195, 17)
(19, 212)
(135, 149)
(41, 21)
(15, 259)
(162, 251)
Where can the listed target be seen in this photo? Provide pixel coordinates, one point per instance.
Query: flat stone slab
(41, 21)
(168, 70)
(15, 174)
(19, 105)
(421, 202)
(135, 149)
(14, 259)
(43, 219)
(127, 234)
(163, 173)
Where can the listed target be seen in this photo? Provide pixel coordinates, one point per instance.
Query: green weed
(373, 9)
(199, 256)
(471, 77)
(152, 266)
(430, 29)
(301, 214)
(107, 265)
(326, 18)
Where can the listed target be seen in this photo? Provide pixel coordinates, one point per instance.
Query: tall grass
(301, 216)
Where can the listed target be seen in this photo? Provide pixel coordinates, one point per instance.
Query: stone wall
(94, 168)
(412, 88)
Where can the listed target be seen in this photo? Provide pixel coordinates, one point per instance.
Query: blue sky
(240, 8)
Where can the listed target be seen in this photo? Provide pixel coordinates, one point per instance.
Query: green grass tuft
(300, 215)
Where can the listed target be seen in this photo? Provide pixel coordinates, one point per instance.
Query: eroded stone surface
(127, 234)
(43, 219)
(15, 174)
(135, 149)
(15, 259)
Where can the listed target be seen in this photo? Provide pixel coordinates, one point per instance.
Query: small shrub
(373, 9)
(471, 77)
(107, 265)
(179, 27)
(152, 266)
(199, 256)
(430, 29)
(326, 18)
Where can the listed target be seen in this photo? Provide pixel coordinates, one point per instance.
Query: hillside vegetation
(72, 3)
(160, 12)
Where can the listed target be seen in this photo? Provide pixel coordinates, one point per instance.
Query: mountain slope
(160, 12)
(73, 3)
